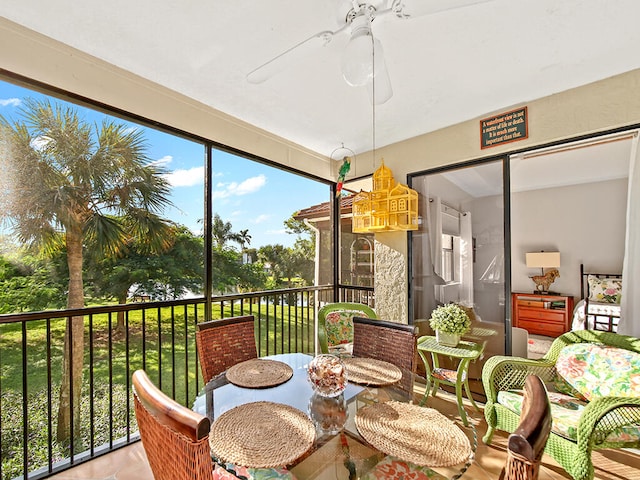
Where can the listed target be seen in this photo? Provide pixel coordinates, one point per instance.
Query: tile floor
(130, 463)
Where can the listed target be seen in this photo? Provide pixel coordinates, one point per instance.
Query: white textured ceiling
(445, 67)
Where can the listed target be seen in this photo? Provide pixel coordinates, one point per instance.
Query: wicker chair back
(223, 343)
(175, 438)
(388, 341)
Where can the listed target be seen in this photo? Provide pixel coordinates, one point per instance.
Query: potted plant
(449, 322)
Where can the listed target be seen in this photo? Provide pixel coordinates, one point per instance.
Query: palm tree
(70, 183)
(244, 239)
(222, 232)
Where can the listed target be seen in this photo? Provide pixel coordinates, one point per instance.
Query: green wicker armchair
(335, 325)
(602, 422)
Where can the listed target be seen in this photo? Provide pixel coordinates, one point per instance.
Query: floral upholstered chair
(232, 472)
(393, 468)
(593, 382)
(335, 325)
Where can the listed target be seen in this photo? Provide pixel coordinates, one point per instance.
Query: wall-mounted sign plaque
(504, 128)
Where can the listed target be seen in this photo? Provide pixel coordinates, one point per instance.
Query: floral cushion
(604, 290)
(596, 371)
(392, 468)
(566, 412)
(339, 326)
(231, 472)
(447, 375)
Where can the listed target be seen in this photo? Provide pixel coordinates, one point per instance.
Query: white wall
(596, 107)
(585, 223)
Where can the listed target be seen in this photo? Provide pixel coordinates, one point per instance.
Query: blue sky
(248, 194)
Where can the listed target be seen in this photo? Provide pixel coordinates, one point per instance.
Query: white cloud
(10, 102)
(164, 161)
(261, 218)
(250, 185)
(186, 178)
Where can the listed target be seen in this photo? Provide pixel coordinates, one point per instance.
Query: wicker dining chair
(223, 343)
(175, 438)
(388, 341)
(526, 444)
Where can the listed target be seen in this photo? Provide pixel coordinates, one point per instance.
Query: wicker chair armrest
(505, 373)
(604, 415)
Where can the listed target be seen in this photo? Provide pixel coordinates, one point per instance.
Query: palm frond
(106, 233)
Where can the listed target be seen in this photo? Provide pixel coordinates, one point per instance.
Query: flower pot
(447, 339)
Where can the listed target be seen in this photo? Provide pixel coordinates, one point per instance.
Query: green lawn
(113, 355)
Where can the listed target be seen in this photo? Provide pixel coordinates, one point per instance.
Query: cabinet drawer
(546, 314)
(536, 327)
(531, 303)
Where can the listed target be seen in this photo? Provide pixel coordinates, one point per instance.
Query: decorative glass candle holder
(327, 375)
(329, 414)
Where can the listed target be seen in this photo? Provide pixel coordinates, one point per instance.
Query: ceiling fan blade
(381, 91)
(417, 8)
(289, 56)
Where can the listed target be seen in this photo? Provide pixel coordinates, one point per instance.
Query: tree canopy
(67, 183)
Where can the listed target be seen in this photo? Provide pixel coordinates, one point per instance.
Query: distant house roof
(320, 214)
(322, 210)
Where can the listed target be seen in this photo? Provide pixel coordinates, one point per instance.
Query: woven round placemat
(259, 373)
(261, 435)
(415, 434)
(369, 371)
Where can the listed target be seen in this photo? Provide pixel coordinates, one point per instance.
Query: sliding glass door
(458, 253)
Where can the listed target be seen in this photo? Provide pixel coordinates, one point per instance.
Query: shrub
(450, 318)
(12, 425)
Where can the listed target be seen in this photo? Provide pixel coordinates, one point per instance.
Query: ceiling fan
(363, 57)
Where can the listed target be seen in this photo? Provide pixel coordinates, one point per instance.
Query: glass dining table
(339, 450)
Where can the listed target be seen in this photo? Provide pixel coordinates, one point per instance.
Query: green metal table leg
(436, 381)
(462, 374)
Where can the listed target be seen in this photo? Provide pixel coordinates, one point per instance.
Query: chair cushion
(339, 326)
(447, 375)
(566, 412)
(392, 468)
(595, 371)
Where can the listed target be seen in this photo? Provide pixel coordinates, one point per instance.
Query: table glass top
(339, 449)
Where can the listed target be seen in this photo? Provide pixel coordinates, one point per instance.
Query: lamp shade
(543, 259)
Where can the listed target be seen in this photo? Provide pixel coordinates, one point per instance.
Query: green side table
(465, 352)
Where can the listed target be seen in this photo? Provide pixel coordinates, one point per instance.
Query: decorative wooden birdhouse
(403, 208)
(389, 206)
(361, 212)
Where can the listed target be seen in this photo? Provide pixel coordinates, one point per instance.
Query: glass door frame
(506, 195)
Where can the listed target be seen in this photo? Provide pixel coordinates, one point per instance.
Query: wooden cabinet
(548, 315)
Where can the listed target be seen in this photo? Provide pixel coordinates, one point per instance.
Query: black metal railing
(158, 337)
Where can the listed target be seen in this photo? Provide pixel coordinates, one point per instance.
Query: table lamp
(542, 260)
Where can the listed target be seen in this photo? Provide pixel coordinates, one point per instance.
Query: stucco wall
(390, 282)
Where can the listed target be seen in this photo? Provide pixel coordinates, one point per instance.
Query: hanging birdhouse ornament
(388, 207)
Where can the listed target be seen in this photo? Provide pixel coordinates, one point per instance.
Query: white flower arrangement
(450, 318)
